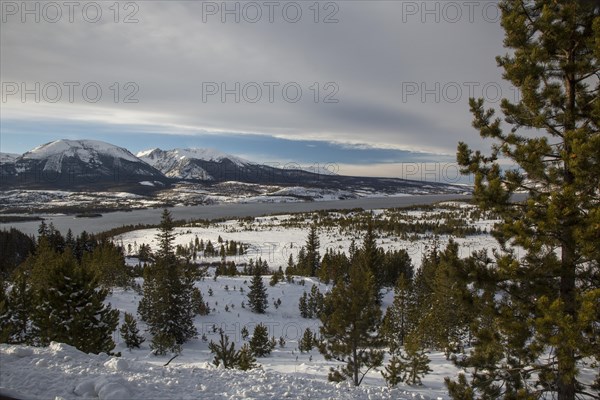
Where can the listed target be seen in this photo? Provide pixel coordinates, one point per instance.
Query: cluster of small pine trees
(428, 313)
(259, 345)
(226, 355)
(386, 267)
(311, 305)
(198, 247)
(58, 293)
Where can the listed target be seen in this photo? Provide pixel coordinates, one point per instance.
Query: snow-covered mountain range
(203, 175)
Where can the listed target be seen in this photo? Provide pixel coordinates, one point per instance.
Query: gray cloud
(374, 50)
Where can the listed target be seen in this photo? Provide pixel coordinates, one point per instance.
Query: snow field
(274, 242)
(61, 371)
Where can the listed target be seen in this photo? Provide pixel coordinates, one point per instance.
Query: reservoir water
(152, 216)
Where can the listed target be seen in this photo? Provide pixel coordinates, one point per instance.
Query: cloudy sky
(364, 85)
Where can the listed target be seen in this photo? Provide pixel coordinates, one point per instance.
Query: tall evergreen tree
(4, 316)
(371, 257)
(415, 363)
(167, 306)
(15, 247)
(257, 295)
(397, 323)
(307, 342)
(446, 315)
(165, 236)
(546, 321)
(313, 258)
(396, 263)
(350, 331)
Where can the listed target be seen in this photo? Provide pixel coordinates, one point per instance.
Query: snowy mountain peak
(204, 154)
(78, 163)
(188, 163)
(85, 150)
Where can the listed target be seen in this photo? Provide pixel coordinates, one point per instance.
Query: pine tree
(167, 306)
(144, 253)
(350, 331)
(165, 236)
(303, 306)
(445, 319)
(224, 352)
(257, 295)
(313, 257)
(300, 268)
(289, 270)
(274, 280)
(246, 359)
(4, 316)
(15, 321)
(442, 313)
(415, 363)
(307, 342)
(397, 323)
(546, 320)
(409, 365)
(371, 258)
(70, 309)
(108, 263)
(163, 342)
(130, 332)
(260, 344)
(396, 263)
(423, 288)
(394, 372)
(198, 304)
(15, 247)
(315, 302)
(245, 333)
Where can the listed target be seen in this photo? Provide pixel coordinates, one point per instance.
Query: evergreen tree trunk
(565, 354)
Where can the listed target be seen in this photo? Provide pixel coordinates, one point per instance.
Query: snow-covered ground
(274, 238)
(62, 372)
(59, 370)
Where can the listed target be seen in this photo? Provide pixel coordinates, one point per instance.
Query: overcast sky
(381, 82)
